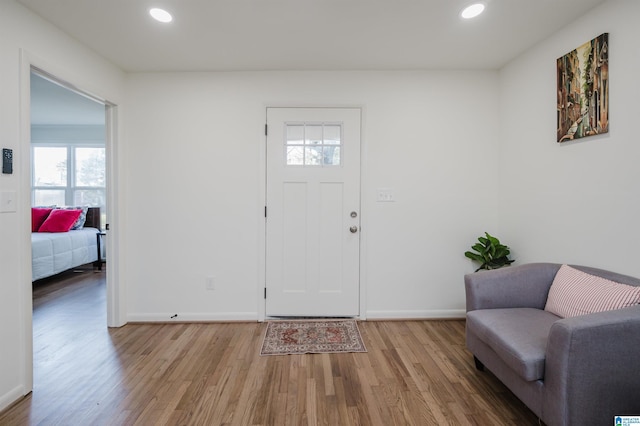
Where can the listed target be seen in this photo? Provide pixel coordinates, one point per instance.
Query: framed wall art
(583, 90)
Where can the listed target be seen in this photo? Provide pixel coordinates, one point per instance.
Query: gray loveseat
(582, 370)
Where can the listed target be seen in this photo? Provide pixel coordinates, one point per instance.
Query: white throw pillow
(574, 293)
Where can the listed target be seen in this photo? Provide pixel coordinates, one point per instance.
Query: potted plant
(490, 253)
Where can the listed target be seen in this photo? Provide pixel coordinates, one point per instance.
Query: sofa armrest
(522, 286)
(592, 368)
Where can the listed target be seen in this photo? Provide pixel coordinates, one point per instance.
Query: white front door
(313, 212)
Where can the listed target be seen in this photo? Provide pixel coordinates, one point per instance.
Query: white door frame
(262, 263)
(115, 304)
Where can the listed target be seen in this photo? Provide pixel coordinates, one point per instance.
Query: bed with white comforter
(53, 253)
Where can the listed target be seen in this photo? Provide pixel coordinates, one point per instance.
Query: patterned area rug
(312, 337)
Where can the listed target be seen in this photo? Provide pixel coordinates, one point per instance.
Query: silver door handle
(353, 229)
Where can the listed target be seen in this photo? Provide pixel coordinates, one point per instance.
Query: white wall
(47, 133)
(452, 144)
(575, 202)
(47, 47)
(196, 177)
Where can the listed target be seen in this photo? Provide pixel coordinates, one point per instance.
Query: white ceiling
(208, 35)
(52, 104)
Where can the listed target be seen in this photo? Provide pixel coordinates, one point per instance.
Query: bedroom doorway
(56, 72)
(71, 137)
(313, 212)
(68, 166)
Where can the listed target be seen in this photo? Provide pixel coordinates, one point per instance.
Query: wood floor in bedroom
(414, 373)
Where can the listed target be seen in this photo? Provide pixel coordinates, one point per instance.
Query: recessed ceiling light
(160, 15)
(472, 11)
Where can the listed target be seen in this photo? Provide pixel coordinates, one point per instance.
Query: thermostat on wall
(7, 161)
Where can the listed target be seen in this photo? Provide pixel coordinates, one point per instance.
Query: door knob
(353, 229)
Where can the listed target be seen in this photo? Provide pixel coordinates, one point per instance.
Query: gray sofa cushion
(517, 335)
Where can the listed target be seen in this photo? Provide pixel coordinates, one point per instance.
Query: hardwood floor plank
(414, 373)
(368, 396)
(343, 411)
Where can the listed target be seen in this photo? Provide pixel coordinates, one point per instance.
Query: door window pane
(332, 134)
(313, 144)
(313, 134)
(331, 155)
(295, 155)
(50, 166)
(313, 156)
(295, 134)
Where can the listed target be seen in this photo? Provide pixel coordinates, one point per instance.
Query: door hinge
(265, 292)
(265, 211)
(265, 129)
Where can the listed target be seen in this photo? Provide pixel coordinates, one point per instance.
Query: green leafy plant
(490, 253)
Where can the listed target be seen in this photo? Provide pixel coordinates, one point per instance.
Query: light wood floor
(415, 373)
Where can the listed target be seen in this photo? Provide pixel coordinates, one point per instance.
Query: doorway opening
(71, 136)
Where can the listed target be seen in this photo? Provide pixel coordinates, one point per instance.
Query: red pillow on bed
(60, 220)
(38, 216)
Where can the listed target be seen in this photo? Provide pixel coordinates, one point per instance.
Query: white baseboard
(10, 397)
(408, 315)
(194, 317)
(253, 316)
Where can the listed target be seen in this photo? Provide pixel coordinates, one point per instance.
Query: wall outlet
(210, 283)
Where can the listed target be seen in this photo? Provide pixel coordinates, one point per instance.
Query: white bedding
(53, 253)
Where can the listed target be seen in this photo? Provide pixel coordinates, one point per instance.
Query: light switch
(7, 201)
(385, 195)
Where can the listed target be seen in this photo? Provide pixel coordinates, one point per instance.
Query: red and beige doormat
(312, 337)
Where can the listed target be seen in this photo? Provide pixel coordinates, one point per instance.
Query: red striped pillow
(574, 293)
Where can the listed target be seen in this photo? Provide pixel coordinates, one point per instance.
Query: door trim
(115, 301)
(262, 262)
